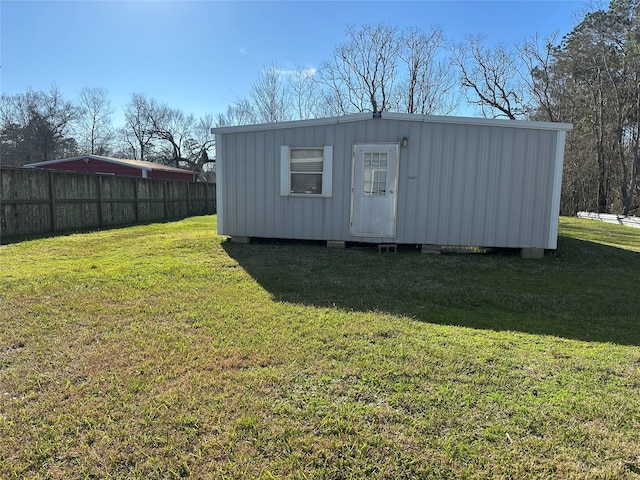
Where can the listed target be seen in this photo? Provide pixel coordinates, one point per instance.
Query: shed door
(373, 190)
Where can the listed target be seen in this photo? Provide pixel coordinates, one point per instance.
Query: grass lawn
(163, 351)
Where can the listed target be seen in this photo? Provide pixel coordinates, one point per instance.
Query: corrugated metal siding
(480, 186)
(457, 184)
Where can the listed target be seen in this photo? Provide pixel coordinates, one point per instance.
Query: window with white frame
(306, 171)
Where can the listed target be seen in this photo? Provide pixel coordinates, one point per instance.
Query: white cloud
(285, 72)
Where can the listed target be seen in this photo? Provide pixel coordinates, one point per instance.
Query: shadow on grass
(585, 291)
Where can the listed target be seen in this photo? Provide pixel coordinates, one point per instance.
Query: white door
(373, 190)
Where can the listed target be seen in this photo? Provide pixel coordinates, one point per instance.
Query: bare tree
(201, 158)
(36, 127)
(124, 144)
(240, 113)
(429, 82)
(180, 140)
(381, 68)
(491, 78)
(361, 75)
(94, 130)
(537, 74)
(139, 130)
(305, 95)
(270, 97)
(174, 128)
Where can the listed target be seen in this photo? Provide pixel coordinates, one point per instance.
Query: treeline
(590, 77)
(43, 125)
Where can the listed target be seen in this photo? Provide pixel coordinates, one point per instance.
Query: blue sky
(200, 56)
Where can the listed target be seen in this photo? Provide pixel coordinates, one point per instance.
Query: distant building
(116, 166)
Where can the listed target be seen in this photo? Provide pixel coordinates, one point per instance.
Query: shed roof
(398, 116)
(141, 164)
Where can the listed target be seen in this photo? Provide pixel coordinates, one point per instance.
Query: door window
(374, 173)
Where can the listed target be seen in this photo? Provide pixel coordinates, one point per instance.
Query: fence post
(52, 201)
(206, 198)
(136, 196)
(99, 179)
(188, 199)
(166, 208)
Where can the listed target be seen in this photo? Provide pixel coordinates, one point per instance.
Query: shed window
(306, 171)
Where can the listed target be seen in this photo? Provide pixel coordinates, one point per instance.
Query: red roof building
(116, 166)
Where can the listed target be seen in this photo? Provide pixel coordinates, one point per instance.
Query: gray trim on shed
(461, 181)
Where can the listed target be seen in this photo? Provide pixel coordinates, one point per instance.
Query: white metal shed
(394, 178)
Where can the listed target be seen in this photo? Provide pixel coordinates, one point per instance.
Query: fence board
(612, 218)
(36, 201)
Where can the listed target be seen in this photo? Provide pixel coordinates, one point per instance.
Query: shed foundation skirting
(433, 249)
(532, 253)
(335, 244)
(240, 239)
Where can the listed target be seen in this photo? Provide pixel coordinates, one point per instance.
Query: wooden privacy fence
(34, 201)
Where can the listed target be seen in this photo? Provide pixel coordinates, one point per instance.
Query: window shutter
(284, 171)
(327, 172)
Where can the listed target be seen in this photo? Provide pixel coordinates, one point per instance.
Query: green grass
(163, 351)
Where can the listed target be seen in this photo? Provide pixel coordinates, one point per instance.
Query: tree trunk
(628, 201)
